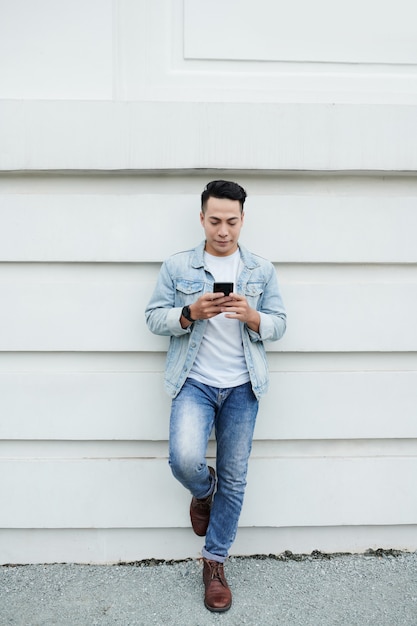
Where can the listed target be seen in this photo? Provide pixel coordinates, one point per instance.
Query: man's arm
(161, 314)
(238, 308)
(164, 318)
(269, 322)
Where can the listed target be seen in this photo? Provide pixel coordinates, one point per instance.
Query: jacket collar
(248, 258)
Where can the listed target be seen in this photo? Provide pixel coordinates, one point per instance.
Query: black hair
(223, 189)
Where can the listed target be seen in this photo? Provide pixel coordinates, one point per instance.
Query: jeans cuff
(212, 557)
(211, 489)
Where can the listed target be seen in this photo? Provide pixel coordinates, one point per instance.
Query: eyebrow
(219, 219)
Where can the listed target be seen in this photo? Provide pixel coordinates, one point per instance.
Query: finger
(215, 296)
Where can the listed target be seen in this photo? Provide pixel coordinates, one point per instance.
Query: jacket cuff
(174, 324)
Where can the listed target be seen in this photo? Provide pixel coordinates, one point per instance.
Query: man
(216, 369)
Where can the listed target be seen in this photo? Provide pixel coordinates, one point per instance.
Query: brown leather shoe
(218, 597)
(200, 512)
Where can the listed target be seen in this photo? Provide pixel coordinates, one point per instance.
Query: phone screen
(225, 288)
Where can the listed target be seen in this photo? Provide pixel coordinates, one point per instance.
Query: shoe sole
(215, 610)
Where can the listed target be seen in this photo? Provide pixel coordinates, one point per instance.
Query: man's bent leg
(192, 418)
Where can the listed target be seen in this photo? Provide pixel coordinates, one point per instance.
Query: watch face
(186, 313)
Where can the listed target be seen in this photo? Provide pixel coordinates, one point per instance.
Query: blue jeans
(232, 412)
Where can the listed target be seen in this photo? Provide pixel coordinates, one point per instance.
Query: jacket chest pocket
(188, 291)
(253, 293)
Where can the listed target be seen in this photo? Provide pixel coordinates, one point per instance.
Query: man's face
(222, 222)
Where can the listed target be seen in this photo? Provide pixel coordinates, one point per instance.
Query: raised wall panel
(84, 405)
(315, 32)
(114, 545)
(339, 405)
(56, 50)
(166, 53)
(313, 227)
(158, 51)
(132, 406)
(68, 309)
(141, 136)
(120, 493)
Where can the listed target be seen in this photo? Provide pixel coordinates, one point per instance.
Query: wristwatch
(187, 313)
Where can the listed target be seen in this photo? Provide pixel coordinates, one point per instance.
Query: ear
(201, 218)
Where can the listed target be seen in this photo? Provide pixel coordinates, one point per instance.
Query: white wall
(110, 126)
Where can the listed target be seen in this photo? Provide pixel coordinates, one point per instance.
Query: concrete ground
(378, 588)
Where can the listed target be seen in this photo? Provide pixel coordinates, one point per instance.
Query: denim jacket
(183, 278)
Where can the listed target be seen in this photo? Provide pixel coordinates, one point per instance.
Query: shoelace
(216, 572)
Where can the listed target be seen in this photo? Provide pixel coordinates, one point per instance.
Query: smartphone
(225, 288)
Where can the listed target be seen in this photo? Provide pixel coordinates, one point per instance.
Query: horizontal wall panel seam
(61, 450)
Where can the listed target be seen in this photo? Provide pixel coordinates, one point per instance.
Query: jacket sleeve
(272, 311)
(162, 316)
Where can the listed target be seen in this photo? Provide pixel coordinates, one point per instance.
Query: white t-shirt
(220, 361)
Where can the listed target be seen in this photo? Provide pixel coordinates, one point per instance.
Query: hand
(207, 306)
(236, 306)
